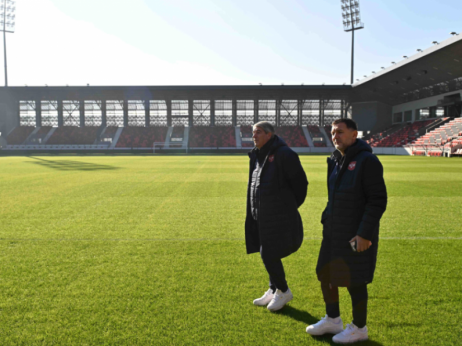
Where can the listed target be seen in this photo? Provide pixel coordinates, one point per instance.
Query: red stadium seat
(292, 135)
(19, 135)
(212, 137)
(141, 137)
(73, 135)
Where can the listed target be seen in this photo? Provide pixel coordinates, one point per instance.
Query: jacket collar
(272, 145)
(351, 151)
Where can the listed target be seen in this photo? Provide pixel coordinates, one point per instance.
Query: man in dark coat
(357, 201)
(273, 227)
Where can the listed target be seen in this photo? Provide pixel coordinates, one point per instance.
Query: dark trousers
(359, 297)
(275, 269)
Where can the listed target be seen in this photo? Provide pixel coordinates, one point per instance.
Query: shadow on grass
(67, 165)
(307, 318)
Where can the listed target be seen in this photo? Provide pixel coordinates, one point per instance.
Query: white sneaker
(265, 299)
(280, 299)
(326, 325)
(351, 334)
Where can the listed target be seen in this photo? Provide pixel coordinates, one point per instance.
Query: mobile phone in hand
(353, 245)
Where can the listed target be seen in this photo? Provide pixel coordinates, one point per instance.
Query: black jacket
(283, 187)
(357, 201)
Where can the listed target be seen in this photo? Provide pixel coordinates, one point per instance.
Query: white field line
(202, 239)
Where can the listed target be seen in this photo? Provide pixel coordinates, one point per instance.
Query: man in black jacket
(277, 188)
(357, 201)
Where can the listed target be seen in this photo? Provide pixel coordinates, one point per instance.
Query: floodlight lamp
(373, 71)
(435, 42)
(365, 76)
(405, 56)
(454, 33)
(419, 50)
(7, 15)
(393, 62)
(383, 68)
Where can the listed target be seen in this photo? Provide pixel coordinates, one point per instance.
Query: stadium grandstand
(412, 107)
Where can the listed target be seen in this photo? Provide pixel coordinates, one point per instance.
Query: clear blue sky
(219, 42)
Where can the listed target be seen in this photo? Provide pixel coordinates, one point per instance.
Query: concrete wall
(428, 102)
(372, 116)
(9, 115)
(392, 151)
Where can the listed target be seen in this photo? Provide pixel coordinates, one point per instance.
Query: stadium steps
(167, 139)
(49, 134)
(444, 139)
(439, 135)
(326, 136)
(39, 135)
(308, 136)
(116, 137)
(237, 134)
(328, 130)
(33, 133)
(185, 137)
(377, 135)
(177, 132)
(382, 134)
(318, 137)
(245, 132)
(99, 133)
(19, 135)
(405, 135)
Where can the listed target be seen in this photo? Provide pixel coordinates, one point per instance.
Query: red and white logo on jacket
(271, 158)
(352, 166)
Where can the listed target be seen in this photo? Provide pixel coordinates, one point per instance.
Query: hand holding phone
(359, 244)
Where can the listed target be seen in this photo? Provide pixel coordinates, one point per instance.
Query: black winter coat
(283, 187)
(356, 204)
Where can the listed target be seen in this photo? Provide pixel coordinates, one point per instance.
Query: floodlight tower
(351, 22)
(7, 22)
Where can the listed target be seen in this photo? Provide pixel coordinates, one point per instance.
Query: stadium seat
(328, 129)
(73, 135)
(246, 137)
(319, 140)
(40, 135)
(19, 135)
(292, 135)
(403, 135)
(141, 137)
(176, 138)
(212, 137)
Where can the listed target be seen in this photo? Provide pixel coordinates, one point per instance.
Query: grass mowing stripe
(208, 239)
(150, 251)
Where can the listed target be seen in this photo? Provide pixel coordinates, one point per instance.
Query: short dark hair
(350, 123)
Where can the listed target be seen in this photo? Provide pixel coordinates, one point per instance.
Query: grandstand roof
(326, 92)
(440, 63)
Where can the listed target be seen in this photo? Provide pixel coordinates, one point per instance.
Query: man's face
(260, 138)
(343, 137)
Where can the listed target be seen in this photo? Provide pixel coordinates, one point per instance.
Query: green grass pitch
(150, 250)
